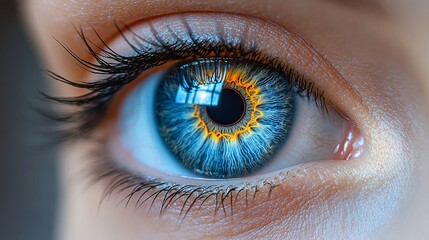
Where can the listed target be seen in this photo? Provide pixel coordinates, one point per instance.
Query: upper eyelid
(326, 75)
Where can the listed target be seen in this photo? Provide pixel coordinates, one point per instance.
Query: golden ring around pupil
(235, 78)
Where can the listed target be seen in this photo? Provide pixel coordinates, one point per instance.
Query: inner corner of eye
(351, 145)
(216, 118)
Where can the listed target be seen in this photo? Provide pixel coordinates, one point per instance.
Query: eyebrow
(373, 7)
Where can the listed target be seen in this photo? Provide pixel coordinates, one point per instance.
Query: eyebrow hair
(373, 7)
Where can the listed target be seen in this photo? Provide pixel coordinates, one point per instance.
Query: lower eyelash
(144, 190)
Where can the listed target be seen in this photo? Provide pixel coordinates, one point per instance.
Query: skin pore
(377, 47)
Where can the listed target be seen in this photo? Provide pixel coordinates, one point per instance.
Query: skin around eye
(333, 199)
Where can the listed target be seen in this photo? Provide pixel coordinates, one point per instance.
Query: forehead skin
(402, 25)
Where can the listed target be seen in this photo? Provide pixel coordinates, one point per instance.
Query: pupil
(230, 108)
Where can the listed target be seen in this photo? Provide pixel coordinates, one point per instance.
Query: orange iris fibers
(236, 79)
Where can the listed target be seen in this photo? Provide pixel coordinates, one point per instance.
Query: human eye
(212, 118)
(228, 118)
(217, 115)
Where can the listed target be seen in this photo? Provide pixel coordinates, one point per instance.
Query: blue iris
(224, 118)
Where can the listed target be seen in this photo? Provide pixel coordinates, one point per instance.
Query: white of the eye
(312, 137)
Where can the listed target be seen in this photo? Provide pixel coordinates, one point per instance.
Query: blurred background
(28, 178)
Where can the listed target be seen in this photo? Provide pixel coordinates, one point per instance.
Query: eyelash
(122, 179)
(121, 70)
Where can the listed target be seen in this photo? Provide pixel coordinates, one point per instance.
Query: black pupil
(230, 108)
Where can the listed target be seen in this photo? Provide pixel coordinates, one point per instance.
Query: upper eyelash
(120, 70)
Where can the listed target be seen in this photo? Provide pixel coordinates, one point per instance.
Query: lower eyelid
(323, 188)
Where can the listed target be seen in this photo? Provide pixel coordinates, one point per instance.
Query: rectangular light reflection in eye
(207, 95)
